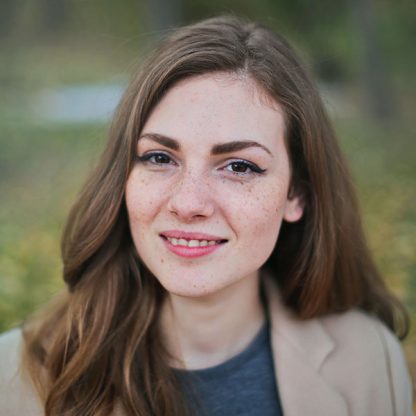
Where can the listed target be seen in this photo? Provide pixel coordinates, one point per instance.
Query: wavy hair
(98, 347)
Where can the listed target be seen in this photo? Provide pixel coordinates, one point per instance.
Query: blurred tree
(8, 13)
(380, 95)
(321, 29)
(54, 16)
(164, 14)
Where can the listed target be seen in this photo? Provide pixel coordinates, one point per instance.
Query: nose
(191, 198)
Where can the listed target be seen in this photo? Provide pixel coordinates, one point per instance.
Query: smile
(189, 245)
(192, 243)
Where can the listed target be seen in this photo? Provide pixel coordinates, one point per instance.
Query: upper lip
(190, 235)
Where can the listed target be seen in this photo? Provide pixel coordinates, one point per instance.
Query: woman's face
(209, 188)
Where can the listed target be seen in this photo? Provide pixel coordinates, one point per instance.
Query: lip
(190, 235)
(191, 252)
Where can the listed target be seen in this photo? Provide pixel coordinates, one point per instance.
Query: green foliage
(41, 170)
(382, 160)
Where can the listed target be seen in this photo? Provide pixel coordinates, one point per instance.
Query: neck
(205, 331)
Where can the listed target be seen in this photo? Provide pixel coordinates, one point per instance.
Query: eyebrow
(217, 149)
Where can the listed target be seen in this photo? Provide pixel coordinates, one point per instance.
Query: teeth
(191, 243)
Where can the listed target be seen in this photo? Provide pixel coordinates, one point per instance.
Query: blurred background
(64, 64)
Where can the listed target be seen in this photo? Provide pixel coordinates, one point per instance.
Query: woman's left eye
(242, 167)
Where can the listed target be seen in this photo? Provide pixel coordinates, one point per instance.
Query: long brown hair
(100, 345)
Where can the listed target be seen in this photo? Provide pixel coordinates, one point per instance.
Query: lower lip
(191, 252)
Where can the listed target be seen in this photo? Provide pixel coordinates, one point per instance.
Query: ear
(293, 209)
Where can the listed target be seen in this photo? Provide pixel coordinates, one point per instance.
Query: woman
(215, 260)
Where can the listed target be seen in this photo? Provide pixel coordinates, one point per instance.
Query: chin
(193, 288)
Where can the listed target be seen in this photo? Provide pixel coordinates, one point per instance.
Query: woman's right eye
(155, 158)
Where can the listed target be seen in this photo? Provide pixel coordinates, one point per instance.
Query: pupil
(239, 167)
(161, 159)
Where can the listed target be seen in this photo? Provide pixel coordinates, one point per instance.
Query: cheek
(142, 198)
(258, 205)
(257, 219)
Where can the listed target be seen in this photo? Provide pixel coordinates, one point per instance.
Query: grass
(42, 168)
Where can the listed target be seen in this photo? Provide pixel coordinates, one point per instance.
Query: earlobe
(293, 209)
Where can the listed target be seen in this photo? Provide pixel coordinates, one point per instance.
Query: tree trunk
(379, 92)
(164, 14)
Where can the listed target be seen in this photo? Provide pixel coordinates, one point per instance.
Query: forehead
(217, 107)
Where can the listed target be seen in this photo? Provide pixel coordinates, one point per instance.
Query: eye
(155, 158)
(243, 167)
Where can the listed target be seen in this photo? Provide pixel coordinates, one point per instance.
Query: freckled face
(211, 167)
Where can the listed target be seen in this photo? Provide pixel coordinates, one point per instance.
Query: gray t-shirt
(244, 385)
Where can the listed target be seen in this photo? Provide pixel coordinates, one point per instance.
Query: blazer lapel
(300, 349)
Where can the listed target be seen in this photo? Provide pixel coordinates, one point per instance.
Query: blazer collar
(300, 349)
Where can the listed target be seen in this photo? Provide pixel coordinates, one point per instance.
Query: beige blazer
(340, 365)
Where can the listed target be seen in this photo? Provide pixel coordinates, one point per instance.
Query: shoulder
(356, 329)
(17, 396)
(364, 336)
(368, 351)
(10, 349)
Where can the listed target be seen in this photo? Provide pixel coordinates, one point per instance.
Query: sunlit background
(64, 64)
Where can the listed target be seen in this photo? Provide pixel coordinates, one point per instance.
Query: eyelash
(254, 169)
